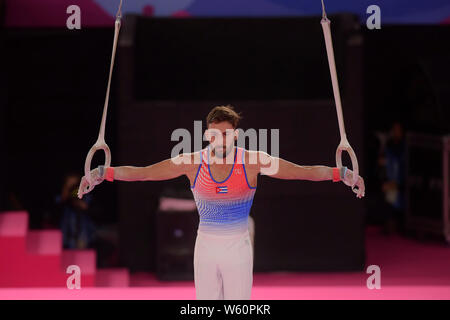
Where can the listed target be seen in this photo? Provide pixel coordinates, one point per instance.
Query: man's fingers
(361, 187)
(83, 187)
(358, 188)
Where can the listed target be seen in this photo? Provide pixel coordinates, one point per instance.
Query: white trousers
(223, 267)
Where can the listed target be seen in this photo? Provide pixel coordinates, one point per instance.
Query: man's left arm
(276, 167)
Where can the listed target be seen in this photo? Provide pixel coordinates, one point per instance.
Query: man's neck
(228, 159)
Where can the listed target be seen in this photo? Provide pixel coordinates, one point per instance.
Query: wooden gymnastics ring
(344, 145)
(100, 144)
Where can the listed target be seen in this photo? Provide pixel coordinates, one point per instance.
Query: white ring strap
(100, 144)
(344, 145)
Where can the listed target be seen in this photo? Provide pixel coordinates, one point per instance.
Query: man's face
(221, 135)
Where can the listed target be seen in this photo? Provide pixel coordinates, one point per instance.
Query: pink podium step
(44, 258)
(85, 260)
(13, 257)
(112, 278)
(44, 242)
(13, 224)
(35, 258)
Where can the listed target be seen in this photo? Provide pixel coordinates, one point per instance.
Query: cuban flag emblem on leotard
(222, 189)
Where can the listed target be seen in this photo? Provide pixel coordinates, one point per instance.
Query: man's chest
(220, 172)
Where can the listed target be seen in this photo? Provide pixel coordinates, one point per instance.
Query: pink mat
(258, 293)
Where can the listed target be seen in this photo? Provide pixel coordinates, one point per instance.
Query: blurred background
(175, 61)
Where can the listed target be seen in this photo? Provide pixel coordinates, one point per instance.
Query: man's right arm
(163, 170)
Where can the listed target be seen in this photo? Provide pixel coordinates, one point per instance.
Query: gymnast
(223, 180)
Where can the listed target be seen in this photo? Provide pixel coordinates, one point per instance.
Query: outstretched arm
(163, 170)
(276, 167)
(282, 169)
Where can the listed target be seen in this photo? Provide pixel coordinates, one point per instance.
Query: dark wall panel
(56, 82)
(236, 58)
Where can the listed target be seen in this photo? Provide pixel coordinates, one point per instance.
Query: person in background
(393, 180)
(75, 222)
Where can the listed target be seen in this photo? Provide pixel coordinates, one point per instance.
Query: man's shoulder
(253, 157)
(192, 158)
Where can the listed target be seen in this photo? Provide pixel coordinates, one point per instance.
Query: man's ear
(236, 134)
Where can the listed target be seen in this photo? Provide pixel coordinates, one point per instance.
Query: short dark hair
(224, 113)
